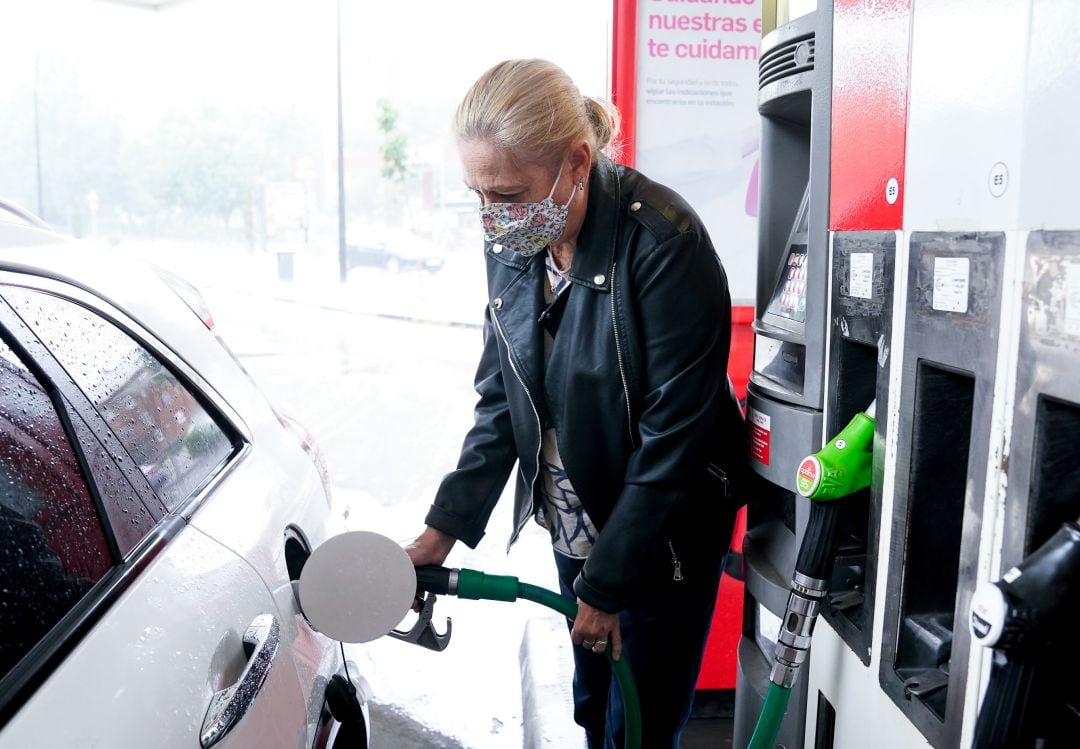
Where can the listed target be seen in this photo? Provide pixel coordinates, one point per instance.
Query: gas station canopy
(152, 5)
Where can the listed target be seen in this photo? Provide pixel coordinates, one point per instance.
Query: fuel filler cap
(357, 586)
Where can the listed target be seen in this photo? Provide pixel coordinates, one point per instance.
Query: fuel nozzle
(1027, 617)
(433, 581)
(440, 580)
(839, 469)
(843, 466)
(1025, 608)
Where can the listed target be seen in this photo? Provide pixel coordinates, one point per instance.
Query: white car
(154, 513)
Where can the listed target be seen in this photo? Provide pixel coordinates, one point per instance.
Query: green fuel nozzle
(843, 466)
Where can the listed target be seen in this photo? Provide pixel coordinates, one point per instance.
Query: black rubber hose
(1004, 711)
(816, 552)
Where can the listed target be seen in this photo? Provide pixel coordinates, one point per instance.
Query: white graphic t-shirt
(572, 532)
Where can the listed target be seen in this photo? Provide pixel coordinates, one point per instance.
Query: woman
(604, 377)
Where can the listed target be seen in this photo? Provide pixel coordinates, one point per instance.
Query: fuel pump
(786, 391)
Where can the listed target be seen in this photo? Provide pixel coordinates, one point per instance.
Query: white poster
(697, 123)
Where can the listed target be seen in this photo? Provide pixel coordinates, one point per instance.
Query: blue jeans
(664, 640)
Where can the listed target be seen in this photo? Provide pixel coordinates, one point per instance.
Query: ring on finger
(587, 643)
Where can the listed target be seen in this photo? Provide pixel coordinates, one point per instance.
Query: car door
(260, 507)
(122, 624)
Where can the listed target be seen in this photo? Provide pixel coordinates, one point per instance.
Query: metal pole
(37, 141)
(342, 258)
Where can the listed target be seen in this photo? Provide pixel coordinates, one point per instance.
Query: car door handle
(261, 641)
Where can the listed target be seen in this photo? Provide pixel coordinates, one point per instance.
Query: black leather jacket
(635, 386)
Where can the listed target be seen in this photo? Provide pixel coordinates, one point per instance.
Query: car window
(161, 425)
(53, 546)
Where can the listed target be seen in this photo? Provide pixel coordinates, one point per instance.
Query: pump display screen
(789, 298)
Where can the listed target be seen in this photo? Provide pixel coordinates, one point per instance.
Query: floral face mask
(526, 228)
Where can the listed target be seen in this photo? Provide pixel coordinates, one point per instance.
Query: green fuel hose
(623, 677)
(474, 585)
(772, 715)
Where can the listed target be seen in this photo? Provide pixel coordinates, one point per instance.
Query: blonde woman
(603, 377)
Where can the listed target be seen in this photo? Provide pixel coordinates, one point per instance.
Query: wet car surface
(154, 512)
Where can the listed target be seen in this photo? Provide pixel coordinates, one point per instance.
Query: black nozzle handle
(435, 579)
(819, 542)
(1006, 708)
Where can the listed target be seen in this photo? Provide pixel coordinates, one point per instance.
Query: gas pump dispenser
(942, 278)
(786, 389)
(1028, 616)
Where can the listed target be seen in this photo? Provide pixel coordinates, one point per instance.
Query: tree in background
(192, 174)
(394, 153)
(83, 150)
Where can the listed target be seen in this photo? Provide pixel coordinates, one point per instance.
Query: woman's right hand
(430, 547)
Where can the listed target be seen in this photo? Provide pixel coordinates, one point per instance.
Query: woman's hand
(595, 630)
(430, 547)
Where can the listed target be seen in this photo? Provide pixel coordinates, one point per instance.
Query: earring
(581, 184)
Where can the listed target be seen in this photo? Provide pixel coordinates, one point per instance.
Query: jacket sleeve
(684, 318)
(468, 494)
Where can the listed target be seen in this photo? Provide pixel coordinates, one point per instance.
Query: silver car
(154, 513)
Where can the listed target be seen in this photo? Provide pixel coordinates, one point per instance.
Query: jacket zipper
(618, 356)
(539, 427)
(677, 575)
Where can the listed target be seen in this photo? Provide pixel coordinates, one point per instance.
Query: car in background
(391, 248)
(155, 512)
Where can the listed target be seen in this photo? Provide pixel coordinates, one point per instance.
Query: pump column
(785, 393)
(1042, 487)
(960, 220)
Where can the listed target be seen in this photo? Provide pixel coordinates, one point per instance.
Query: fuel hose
(772, 715)
(474, 585)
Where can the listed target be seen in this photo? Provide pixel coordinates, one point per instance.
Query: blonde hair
(533, 109)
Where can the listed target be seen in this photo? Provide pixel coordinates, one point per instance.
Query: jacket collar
(596, 242)
(599, 232)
